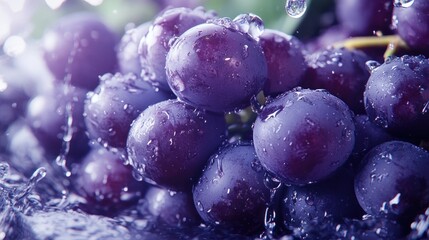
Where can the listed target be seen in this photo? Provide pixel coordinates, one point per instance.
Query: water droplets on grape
(403, 3)
(251, 24)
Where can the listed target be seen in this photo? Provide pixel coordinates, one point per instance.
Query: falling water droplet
(296, 8)
(403, 3)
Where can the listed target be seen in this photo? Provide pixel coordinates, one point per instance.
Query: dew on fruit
(403, 3)
(251, 24)
(372, 65)
(296, 8)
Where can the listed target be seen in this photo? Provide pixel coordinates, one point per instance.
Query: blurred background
(21, 20)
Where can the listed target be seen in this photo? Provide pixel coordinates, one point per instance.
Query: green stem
(391, 42)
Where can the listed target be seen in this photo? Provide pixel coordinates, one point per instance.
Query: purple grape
(215, 67)
(170, 142)
(364, 17)
(394, 181)
(285, 61)
(115, 103)
(106, 183)
(79, 48)
(231, 191)
(128, 56)
(412, 24)
(367, 136)
(332, 199)
(396, 96)
(173, 208)
(169, 25)
(340, 71)
(304, 135)
(13, 97)
(56, 117)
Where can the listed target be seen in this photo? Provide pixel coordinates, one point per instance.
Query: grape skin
(79, 48)
(218, 73)
(171, 141)
(304, 135)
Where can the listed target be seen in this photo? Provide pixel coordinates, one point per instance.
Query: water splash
(296, 8)
(403, 3)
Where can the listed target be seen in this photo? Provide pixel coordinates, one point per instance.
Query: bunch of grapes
(217, 123)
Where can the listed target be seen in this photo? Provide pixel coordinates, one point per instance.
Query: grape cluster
(208, 121)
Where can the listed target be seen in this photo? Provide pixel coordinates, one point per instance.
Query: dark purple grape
(107, 185)
(170, 142)
(332, 199)
(128, 56)
(304, 135)
(56, 117)
(173, 208)
(367, 136)
(231, 191)
(340, 71)
(285, 61)
(13, 96)
(412, 24)
(169, 25)
(394, 181)
(397, 96)
(327, 38)
(79, 48)
(115, 103)
(364, 17)
(216, 67)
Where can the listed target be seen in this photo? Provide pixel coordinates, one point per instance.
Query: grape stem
(391, 42)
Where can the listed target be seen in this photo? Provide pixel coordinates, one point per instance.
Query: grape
(340, 71)
(365, 17)
(169, 25)
(412, 24)
(115, 103)
(173, 208)
(367, 136)
(231, 191)
(304, 135)
(330, 199)
(106, 183)
(285, 61)
(396, 96)
(79, 48)
(218, 73)
(170, 142)
(400, 170)
(49, 115)
(13, 97)
(128, 56)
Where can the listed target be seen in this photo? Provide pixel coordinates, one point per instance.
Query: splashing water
(403, 3)
(296, 8)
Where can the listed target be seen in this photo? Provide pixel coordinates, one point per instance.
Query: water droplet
(251, 24)
(271, 112)
(296, 8)
(255, 105)
(425, 108)
(177, 84)
(200, 206)
(371, 65)
(4, 170)
(403, 3)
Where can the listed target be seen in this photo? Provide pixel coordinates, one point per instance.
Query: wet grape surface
(145, 119)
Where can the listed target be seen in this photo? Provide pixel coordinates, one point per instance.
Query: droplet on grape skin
(403, 3)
